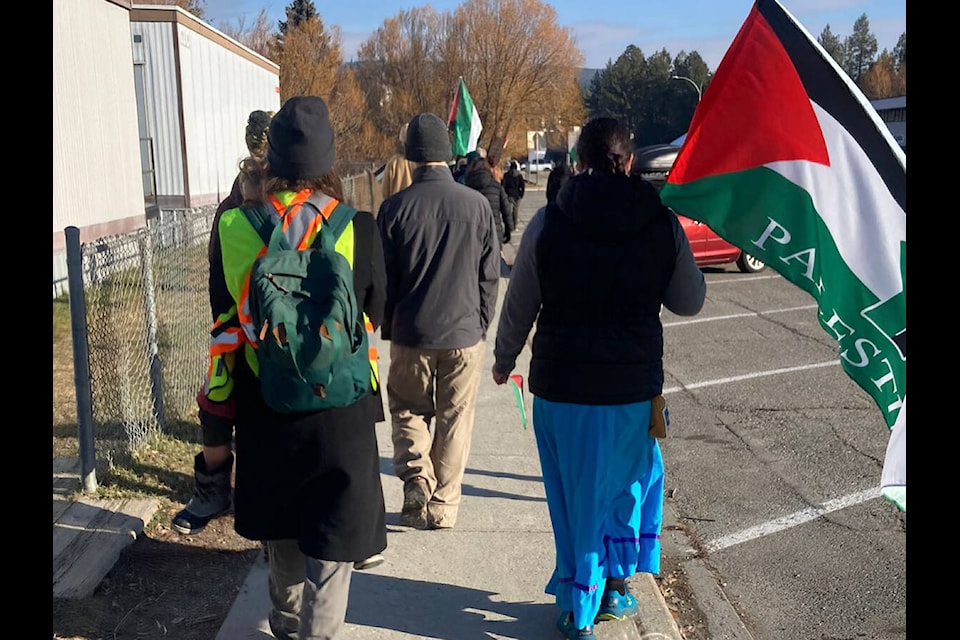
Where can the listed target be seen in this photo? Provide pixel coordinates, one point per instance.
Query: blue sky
(604, 28)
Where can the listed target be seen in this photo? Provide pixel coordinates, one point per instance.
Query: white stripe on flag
(866, 223)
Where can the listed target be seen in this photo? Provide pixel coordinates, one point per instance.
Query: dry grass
(162, 468)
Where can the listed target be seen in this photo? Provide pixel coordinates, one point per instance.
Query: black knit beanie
(427, 139)
(300, 140)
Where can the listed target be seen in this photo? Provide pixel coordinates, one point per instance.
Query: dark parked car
(654, 163)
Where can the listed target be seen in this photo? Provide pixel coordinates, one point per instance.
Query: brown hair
(256, 182)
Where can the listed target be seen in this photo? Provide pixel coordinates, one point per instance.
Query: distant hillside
(586, 77)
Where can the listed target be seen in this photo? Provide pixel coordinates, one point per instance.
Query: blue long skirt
(603, 476)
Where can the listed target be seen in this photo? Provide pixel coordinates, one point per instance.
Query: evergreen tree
(298, 12)
(900, 51)
(861, 49)
(832, 45)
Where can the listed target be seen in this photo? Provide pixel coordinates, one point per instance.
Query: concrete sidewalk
(483, 579)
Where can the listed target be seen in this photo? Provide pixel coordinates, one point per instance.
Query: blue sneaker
(570, 632)
(617, 606)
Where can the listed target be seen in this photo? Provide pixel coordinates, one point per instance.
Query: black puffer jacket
(483, 181)
(604, 258)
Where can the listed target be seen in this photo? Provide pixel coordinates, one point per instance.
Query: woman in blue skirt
(593, 268)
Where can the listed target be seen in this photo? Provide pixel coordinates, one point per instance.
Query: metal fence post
(150, 318)
(81, 362)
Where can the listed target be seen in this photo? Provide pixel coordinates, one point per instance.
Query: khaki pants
(308, 596)
(437, 385)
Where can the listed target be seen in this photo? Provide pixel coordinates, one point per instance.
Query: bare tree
(520, 67)
(398, 69)
(260, 37)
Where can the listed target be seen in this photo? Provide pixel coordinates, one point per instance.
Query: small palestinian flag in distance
(786, 159)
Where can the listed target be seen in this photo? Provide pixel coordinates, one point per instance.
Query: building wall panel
(96, 158)
(157, 51)
(220, 89)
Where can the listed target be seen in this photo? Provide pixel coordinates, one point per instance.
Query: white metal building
(96, 158)
(149, 110)
(195, 88)
(893, 112)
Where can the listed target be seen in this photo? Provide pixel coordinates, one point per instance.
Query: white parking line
(739, 315)
(749, 376)
(744, 279)
(792, 520)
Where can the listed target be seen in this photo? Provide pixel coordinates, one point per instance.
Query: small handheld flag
(516, 381)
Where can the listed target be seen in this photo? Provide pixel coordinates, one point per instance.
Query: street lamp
(695, 85)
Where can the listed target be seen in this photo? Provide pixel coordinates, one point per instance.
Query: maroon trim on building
(100, 230)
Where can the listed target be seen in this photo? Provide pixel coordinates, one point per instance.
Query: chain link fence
(147, 327)
(146, 322)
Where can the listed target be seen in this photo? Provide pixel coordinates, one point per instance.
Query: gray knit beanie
(427, 139)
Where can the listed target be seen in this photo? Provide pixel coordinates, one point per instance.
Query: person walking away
(479, 176)
(442, 257)
(307, 482)
(592, 271)
(515, 187)
(213, 466)
(398, 171)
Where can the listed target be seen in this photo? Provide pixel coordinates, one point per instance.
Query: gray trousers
(308, 596)
(426, 385)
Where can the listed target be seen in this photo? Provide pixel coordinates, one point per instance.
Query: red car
(654, 163)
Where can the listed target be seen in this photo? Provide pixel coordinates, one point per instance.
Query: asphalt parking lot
(773, 464)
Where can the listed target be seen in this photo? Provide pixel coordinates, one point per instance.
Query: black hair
(604, 146)
(555, 181)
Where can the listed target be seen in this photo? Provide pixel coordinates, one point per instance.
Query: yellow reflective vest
(240, 246)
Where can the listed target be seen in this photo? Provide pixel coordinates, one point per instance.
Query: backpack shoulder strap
(333, 226)
(260, 219)
(339, 219)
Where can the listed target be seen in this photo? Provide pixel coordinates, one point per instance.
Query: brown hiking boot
(414, 513)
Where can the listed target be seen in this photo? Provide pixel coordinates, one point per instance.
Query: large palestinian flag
(464, 122)
(787, 159)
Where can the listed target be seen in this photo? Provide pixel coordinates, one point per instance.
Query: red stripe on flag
(454, 106)
(755, 111)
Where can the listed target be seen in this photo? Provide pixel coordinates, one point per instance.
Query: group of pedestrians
(592, 271)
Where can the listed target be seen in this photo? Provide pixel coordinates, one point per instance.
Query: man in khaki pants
(442, 256)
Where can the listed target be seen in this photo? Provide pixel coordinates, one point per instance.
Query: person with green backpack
(293, 371)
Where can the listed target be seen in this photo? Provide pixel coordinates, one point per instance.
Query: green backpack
(312, 346)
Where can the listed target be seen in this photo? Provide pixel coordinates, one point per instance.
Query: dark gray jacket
(442, 256)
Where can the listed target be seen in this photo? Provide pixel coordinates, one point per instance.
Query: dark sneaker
(570, 632)
(617, 606)
(211, 498)
(369, 563)
(414, 512)
(278, 623)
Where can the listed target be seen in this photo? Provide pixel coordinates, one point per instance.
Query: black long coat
(315, 477)
(483, 181)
